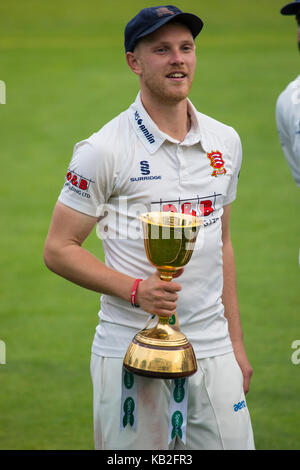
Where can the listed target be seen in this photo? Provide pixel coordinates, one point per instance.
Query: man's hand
(158, 297)
(245, 366)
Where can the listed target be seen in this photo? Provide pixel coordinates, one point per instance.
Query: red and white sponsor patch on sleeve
(78, 183)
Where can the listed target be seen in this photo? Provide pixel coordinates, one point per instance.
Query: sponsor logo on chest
(200, 206)
(145, 171)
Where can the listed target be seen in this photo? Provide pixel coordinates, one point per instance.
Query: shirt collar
(151, 136)
(146, 129)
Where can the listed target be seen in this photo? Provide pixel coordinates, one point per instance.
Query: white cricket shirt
(288, 125)
(129, 167)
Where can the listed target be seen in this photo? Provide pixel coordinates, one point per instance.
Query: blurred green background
(65, 72)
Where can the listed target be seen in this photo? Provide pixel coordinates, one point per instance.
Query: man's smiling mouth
(176, 75)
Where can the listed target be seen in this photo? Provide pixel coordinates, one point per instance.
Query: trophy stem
(165, 276)
(168, 276)
(163, 320)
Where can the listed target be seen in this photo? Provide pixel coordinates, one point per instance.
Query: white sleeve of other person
(288, 125)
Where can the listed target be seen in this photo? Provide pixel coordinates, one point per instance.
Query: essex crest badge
(217, 162)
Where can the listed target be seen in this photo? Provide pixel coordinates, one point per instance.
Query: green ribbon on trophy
(178, 405)
(178, 409)
(128, 413)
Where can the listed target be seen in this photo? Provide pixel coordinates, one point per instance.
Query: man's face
(167, 62)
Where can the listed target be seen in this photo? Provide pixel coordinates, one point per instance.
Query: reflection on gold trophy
(164, 351)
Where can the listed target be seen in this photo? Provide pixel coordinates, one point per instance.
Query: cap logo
(164, 11)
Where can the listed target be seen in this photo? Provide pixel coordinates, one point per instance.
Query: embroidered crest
(217, 162)
(164, 11)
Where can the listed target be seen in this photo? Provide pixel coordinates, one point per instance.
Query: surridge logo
(145, 171)
(145, 167)
(143, 128)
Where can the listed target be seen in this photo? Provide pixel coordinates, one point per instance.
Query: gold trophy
(164, 351)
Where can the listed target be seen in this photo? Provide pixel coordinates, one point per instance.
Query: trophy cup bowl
(164, 351)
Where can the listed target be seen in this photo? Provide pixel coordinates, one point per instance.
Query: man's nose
(176, 57)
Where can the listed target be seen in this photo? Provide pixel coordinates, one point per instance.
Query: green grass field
(65, 73)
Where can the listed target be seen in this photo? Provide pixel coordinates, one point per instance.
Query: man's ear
(133, 62)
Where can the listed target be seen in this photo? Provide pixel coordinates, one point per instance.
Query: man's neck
(170, 118)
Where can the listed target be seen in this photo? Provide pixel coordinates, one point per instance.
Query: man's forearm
(79, 266)
(230, 297)
(230, 301)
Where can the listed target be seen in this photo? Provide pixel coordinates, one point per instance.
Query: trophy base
(160, 352)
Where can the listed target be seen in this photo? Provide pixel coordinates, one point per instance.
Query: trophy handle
(149, 321)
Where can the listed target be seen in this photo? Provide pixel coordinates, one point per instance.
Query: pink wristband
(134, 291)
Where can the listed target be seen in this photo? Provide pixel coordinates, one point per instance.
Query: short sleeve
(86, 186)
(288, 126)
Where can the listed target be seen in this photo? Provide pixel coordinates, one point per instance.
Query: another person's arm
(288, 126)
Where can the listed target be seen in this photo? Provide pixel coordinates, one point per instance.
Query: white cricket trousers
(217, 415)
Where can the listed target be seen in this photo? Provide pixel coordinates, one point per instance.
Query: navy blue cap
(150, 19)
(291, 8)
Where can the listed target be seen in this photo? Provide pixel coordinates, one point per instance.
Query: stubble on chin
(166, 95)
